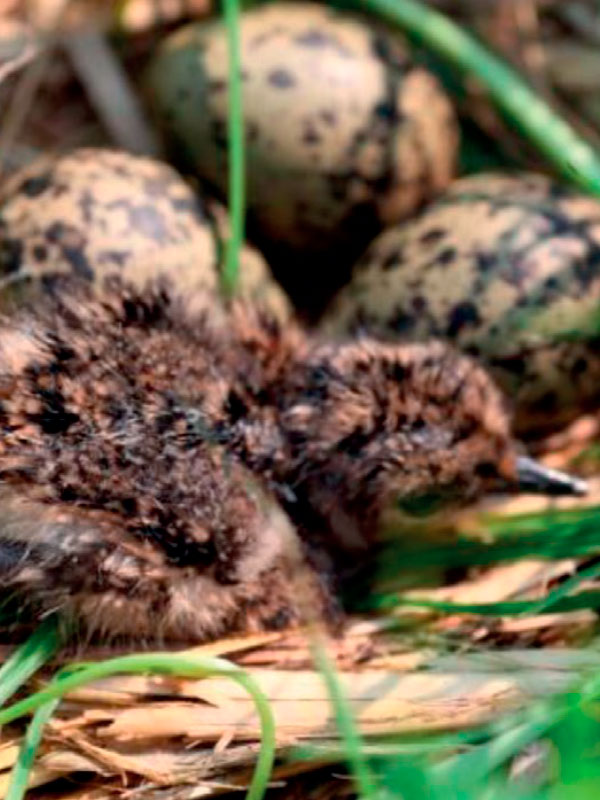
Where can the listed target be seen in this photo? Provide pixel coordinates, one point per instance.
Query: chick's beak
(537, 479)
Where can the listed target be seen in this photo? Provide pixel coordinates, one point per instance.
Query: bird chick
(148, 443)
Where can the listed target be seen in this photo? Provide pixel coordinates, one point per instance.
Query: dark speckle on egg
(77, 259)
(314, 38)
(402, 322)
(33, 187)
(149, 222)
(65, 234)
(392, 259)
(463, 314)
(446, 256)
(485, 261)
(328, 116)
(310, 135)
(118, 257)
(432, 236)
(281, 78)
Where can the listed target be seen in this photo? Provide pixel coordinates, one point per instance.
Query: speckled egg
(97, 212)
(508, 268)
(344, 132)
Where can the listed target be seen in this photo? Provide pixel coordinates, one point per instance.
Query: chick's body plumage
(148, 445)
(121, 504)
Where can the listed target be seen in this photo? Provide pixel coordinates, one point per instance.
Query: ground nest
(487, 617)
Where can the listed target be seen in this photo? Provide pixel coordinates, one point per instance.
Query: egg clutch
(356, 217)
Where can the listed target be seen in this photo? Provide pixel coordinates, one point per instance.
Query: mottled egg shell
(97, 212)
(344, 132)
(508, 268)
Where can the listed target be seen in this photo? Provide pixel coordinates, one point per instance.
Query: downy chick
(148, 445)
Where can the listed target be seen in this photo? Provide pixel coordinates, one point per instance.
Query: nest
(416, 671)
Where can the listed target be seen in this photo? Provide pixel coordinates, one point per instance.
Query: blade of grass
(165, 664)
(373, 750)
(556, 139)
(533, 522)
(551, 536)
(509, 608)
(557, 600)
(236, 161)
(471, 769)
(353, 746)
(19, 778)
(30, 656)
(554, 597)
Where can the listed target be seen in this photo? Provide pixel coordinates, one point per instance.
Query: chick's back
(121, 505)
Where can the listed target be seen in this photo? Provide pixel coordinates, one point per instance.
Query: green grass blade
(351, 739)
(553, 598)
(567, 534)
(235, 130)
(565, 520)
(460, 772)
(571, 155)
(509, 608)
(20, 774)
(29, 657)
(164, 664)
(555, 601)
